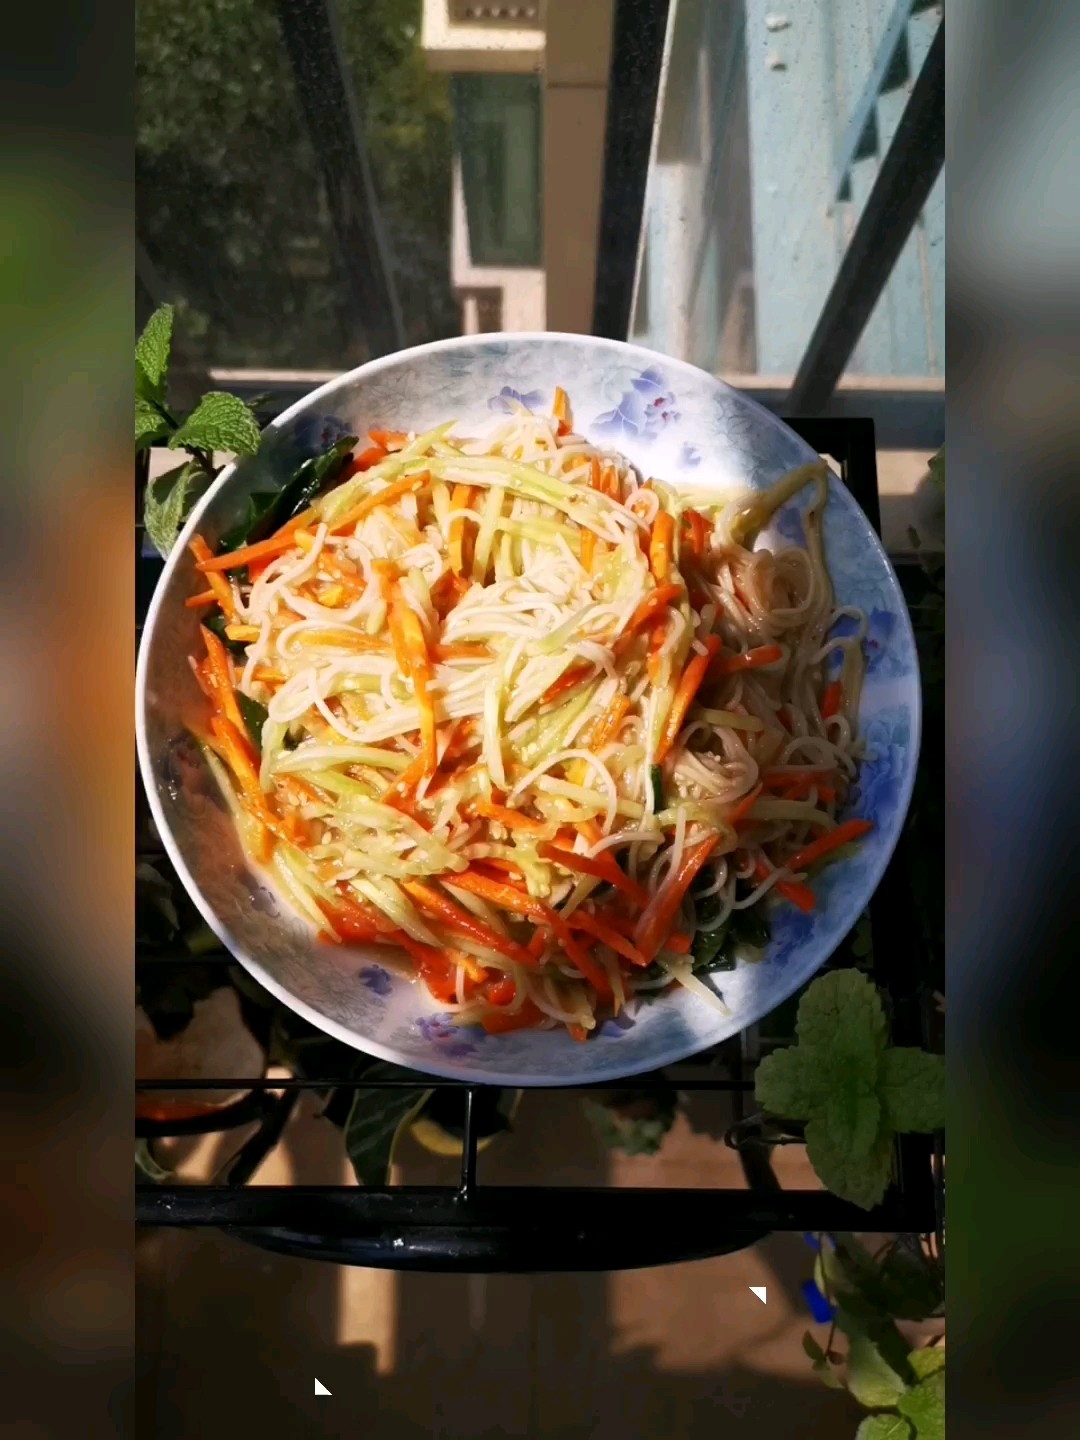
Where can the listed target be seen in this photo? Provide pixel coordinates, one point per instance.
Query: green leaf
(150, 425)
(870, 1378)
(146, 1167)
(863, 1181)
(841, 1014)
(152, 354)
(219, 422)
(309, 479)
(168, 501)
(258, 505)
(377, 1120)
(884, 1427)
(790, 1083)
(913, 1089)
(711, 951)
(852, 1115)
(928, 1361)
(925, 1407)
(255, 716)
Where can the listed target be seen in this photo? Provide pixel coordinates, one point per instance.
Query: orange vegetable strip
(578, 1032)
(654, 926)
(298, 522)
(196, 602)
(843, 834)
(606, 934)
(654, 603)
(461, 652)
(611, 484)
(588, 550)
(661, 542)
(367, 458)
(699, 532)
(527, 1018)
(560, 406)
(221, 679)
(595, 478)
(220, 586)
(748, 660)
(388, 439)
(512, 819)
(385, 496)
(689, 685)
(261, 550)
(569, 680)
(460, 499)
(678, 942)
(608, 725)
(441, 907)
(799, 895)
(600, 866)
(832, 700)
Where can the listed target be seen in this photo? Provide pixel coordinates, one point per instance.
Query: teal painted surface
(783, 101)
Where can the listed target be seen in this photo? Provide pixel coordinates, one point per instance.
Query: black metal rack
(479, 1228)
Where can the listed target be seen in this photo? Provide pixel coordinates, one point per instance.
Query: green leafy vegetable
(712, 951)
(220, 421)
(150, 424)
(152, 354)
(870, 1377)
(255, 716)
(928, 1361)
(297, 494)
(924, 1406)
(716, 946)
(656, 780)
(841, 1080)
(257, 507)
(883, 1427)
(378, 1119)
(168, 502)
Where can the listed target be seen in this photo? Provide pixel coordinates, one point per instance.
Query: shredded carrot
(799, 895)
(832, 701)
(608, 725)
(678, 942)
(460, 499)
(610, 482)
(527, 1018)
(748, 660)
(588, 550)
(699, 533)
(501, 892)
(220, 676)
(261, 550)
(447, 591)
(661, 542)
(196, 602)
(410, 647)
(843, 834)
(569, 680)
(512, 819)
(220, 586)
(653, 927)
(578, 1032)
(388, 439)
(461, 652)
(386, 496)
(366, 459)
(595, 477)
(603, 867)
(654, 664)
(688, 686)
(560, 409)
(606, 934)
(654, 604)
(441, 907)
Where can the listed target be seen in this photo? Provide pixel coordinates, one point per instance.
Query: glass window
(497, 135)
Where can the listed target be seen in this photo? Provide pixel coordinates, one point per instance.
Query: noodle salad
(554, 731)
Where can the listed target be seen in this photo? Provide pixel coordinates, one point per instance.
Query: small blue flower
(441, 1031)
(880, 628)
(377, 980)
(508, 399)
(690, 456)
(642, 411)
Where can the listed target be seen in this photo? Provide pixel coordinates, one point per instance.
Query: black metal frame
(480, 1228)
(908, 171)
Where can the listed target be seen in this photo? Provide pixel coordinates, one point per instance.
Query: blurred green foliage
(231, 210)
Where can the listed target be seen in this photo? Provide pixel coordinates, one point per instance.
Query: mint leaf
(152, 354)
(790, 1083)
(219, 422)
(870, 1377)
(376, 1122)
(168, 501)
(842, 1014)
(863, 1181)
(913, 1089)
(928, 1361)
(925, 1407)
(884, 1427)
(150, 424)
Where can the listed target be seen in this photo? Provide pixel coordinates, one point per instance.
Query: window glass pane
(497, 135)
(761, 172)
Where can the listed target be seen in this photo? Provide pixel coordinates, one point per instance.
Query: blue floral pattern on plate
(508, 399)
(672, 422)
